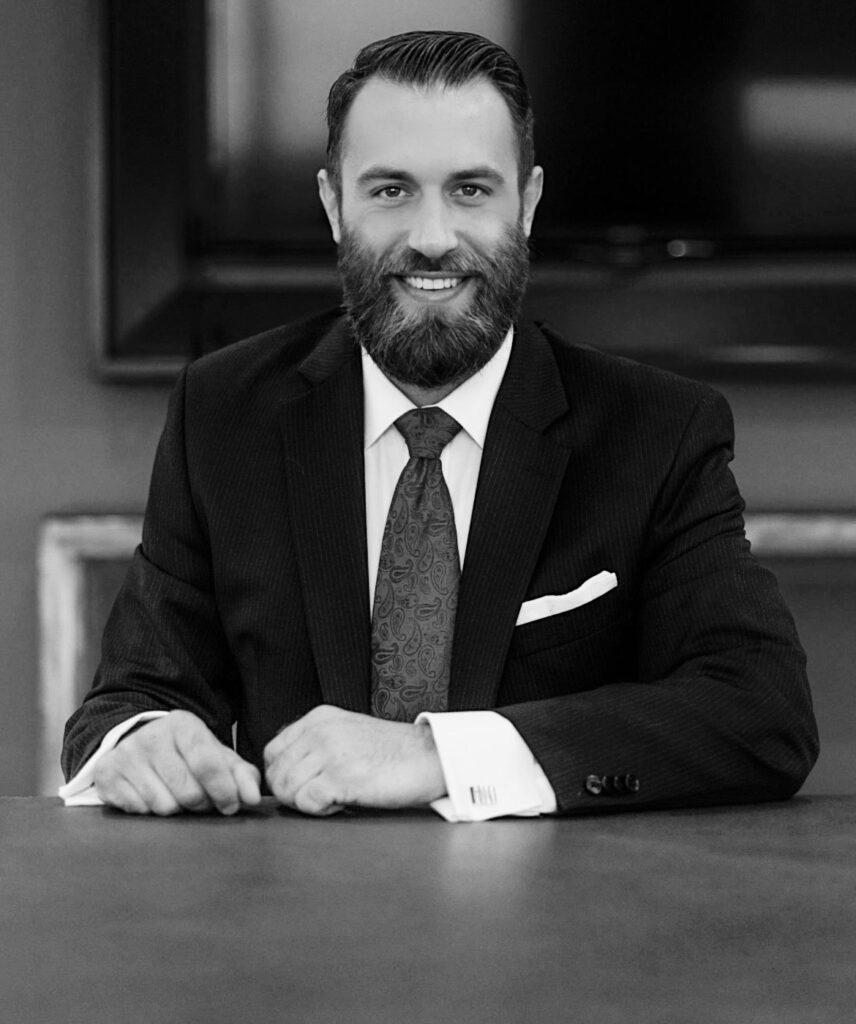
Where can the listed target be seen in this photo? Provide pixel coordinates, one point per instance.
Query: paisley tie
(417, 579)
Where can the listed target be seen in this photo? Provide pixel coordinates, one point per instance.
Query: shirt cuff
(488, 768)
(80, 791)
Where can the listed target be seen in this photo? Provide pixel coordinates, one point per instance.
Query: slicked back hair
(427, 59)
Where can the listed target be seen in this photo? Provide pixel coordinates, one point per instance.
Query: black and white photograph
(428, 532)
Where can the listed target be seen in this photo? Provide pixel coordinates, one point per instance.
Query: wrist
(435, 779)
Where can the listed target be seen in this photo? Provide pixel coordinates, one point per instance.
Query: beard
(431, 346)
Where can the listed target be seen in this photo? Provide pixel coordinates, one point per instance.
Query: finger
(123, 767)
(210, 764)
(248, 781)
(115, 791)
(155, 795)
(317, 797)
(176, 775)
(126, 798)
(292, 770)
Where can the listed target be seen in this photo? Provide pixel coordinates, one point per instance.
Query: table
(744, 915)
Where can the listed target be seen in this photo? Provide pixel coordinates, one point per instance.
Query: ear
(531, 195)
(330, 202)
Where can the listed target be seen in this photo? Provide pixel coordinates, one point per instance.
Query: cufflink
(483, 796)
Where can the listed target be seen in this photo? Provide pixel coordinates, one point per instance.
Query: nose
(432, 232)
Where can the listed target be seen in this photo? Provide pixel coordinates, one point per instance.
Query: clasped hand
(324, 761)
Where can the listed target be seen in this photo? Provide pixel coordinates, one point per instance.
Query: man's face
(432, 226)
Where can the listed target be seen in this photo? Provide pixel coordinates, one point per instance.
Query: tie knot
(427, 431)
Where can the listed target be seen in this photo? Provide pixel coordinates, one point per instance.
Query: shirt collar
(471, 403)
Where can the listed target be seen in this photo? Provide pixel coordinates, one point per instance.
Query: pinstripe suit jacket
(247, 600)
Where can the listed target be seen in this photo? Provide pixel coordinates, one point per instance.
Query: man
(550, 607)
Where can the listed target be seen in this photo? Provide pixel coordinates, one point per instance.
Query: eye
(391, 192)
(470, 191)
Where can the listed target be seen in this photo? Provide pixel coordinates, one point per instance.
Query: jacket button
(594, 785)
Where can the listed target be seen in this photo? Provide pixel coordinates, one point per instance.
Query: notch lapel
(521, 472)
(322, 427)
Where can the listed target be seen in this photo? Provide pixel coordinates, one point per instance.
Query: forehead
(428, 130)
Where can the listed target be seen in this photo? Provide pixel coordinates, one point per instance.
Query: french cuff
(488, 768)
(80, 790)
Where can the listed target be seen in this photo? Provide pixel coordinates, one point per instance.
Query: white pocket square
(554, 604)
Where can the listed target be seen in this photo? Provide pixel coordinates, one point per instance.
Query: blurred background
(157, 201)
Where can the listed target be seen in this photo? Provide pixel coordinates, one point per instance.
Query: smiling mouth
(433, 284)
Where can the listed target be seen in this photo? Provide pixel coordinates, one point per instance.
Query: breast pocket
(569, 627)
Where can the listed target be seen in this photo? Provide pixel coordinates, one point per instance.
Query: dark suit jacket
(248, 599)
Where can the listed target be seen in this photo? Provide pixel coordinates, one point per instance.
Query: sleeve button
(594, 785)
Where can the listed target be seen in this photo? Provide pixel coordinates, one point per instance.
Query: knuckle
(204, 761)
(181, 719)
(321, 714)
(188, 731)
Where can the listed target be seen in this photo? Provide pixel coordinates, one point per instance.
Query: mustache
(409, 262)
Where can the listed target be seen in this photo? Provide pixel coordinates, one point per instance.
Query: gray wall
(67, 442)
(70, 443)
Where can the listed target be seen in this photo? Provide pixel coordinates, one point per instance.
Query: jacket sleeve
(718, 710)
(163, 646)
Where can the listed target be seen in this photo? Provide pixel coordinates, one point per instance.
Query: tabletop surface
(745, 915)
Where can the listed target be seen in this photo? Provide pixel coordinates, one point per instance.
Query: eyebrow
(485, 172)
(383, 173)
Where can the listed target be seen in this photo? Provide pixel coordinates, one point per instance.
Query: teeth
(433, 283)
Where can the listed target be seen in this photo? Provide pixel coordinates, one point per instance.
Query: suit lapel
(521, 472)
(322, 425)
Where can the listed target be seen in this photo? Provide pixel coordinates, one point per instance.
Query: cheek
(491, 223)
(377, 231)
(486, 235)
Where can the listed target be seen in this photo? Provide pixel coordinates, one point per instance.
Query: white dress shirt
(489, 770)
